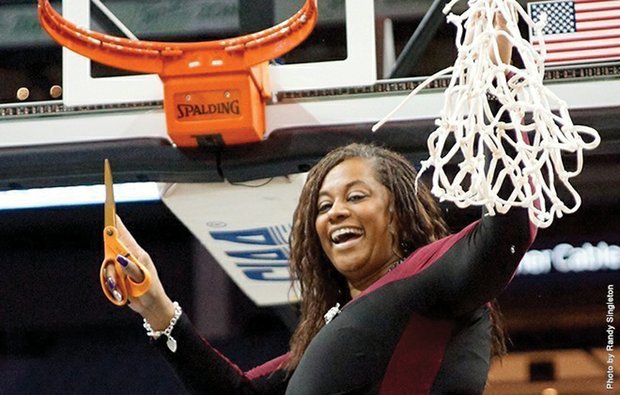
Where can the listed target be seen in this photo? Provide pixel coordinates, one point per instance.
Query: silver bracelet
(171, 342)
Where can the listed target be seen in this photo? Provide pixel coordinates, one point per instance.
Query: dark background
(59, 334)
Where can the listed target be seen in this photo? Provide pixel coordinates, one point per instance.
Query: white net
(477, 140)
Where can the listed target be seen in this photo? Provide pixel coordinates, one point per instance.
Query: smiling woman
(378, 185)
(415, 298)
(361, 215)
(354, 211)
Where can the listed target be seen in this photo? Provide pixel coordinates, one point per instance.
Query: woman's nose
(338, 211)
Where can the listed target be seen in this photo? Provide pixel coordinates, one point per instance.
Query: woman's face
(354, 213)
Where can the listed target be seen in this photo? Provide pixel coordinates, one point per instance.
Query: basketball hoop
(467, 126)
(213, 89)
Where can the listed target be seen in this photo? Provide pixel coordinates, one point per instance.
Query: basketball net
(467, 127)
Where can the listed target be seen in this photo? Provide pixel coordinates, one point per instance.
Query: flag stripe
(599, 54)
(585, 36)
(597, 6)
(595, 16)
(596, 25)
(584, 45)
(591, 1)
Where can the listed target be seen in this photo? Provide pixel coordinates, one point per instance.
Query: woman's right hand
(155, 306)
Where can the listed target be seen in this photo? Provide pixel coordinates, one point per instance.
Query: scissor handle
(120, 283)
(128, 287)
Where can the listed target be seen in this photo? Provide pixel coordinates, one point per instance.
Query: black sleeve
(481, 264)
(203, 370)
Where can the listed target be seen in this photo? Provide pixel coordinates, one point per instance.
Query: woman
(414, 318)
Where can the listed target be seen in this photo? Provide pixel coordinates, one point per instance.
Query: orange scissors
(113, 248)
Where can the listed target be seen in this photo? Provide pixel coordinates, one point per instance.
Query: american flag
(578, 31)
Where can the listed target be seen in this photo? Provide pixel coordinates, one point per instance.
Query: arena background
(58, 334)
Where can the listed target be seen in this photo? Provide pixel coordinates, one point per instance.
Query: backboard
(356, 68)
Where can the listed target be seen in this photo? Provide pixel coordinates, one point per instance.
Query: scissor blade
(110, 207)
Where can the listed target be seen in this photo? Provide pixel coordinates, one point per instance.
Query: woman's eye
(323, 207)
(356, 197)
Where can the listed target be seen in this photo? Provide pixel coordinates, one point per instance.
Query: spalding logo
(195, 110)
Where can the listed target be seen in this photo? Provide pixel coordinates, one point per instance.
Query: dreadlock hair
(418, 218)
